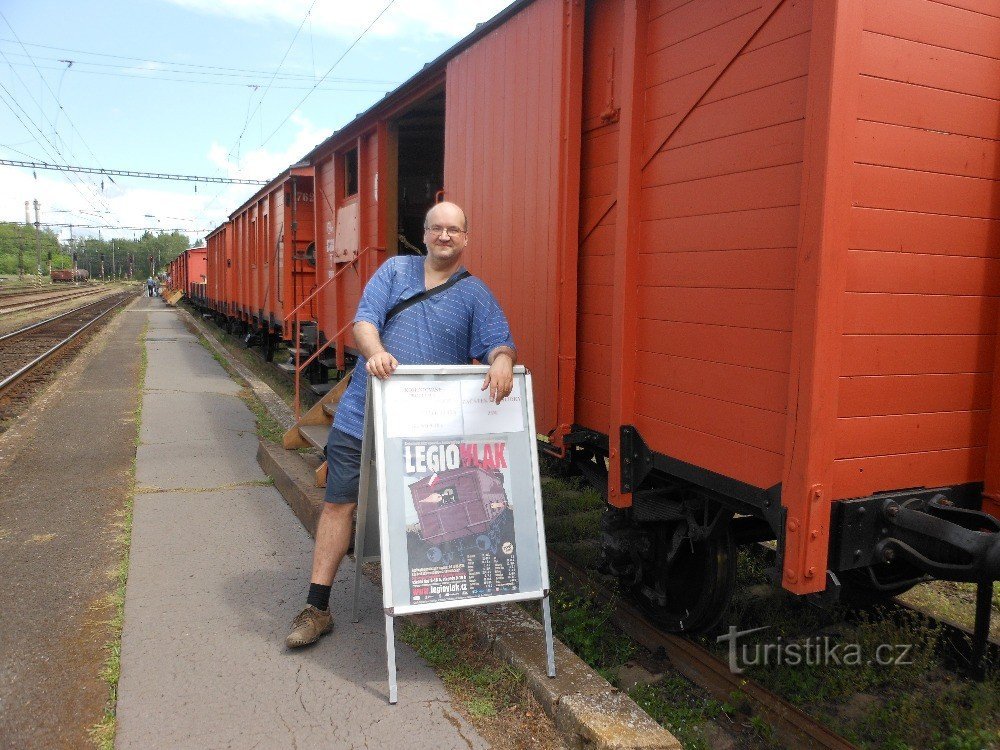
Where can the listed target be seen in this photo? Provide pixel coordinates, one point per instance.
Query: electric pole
(38, 246)
(72, 250)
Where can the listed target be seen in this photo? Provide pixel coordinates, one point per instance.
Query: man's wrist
(502, 351)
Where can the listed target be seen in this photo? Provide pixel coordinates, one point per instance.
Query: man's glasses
(438, 230)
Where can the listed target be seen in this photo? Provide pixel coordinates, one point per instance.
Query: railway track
(27, 348)
(21, 305)
(792, 727)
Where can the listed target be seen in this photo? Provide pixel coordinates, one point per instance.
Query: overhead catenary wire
(58, 103)
(329, 70)
(154, 76)
(11, 106)
(130, 173)
(257, 71)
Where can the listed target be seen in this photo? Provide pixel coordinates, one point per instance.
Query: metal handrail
(299, 365)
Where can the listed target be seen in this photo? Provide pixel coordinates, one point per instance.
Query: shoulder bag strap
(427, 294)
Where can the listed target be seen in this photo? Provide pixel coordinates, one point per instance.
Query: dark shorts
(343, 467)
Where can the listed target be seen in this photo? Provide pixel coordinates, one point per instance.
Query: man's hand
(381, 365)
(500, 378)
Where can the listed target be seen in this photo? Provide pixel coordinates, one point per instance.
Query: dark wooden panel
(860, 477)
(914, 394)
(595, 329)
(767, 309)
(593, 386)
(600, 242)
(747, 386)
(913, 355)
(592, 415)
(593, 357)
(597, 181)
(596, 270)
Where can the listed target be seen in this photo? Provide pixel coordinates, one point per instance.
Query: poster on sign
(450, 480)
(459, 520)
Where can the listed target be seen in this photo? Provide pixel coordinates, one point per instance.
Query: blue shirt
(453, 327)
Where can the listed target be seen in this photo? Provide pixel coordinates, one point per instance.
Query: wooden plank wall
(923, 275)
(724, 112)
(502, 166)
(598, 190)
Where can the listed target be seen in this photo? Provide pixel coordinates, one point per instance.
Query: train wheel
(689, 582)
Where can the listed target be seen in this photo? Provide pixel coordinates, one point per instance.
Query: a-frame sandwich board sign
(449, 500)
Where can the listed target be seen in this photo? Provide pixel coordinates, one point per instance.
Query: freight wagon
(188, 268)
(264, 259)
(748, 249)
(70, 274)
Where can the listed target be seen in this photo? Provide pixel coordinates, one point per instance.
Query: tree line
(21, 249)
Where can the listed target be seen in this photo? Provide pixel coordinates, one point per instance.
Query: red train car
(270, 255)
(219, 268)
(749, 251)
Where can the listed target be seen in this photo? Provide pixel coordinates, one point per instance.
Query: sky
(223, 88)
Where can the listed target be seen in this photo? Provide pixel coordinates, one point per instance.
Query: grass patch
(268, 427)
(102, 734)
(486, 687)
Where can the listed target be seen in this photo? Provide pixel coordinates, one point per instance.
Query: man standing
(458, 323)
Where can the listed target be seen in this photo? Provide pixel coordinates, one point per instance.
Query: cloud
(447, 19)
(172, 204)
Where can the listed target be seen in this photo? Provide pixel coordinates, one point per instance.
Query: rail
(793, 727)
(13, 378)
(367, 254)
(53, 319)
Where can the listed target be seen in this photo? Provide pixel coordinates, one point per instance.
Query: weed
(484, 686)
(586, 628)
(268, 427)
(102, 734)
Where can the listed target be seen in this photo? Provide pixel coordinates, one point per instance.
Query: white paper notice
(482, 417)
(423, 409)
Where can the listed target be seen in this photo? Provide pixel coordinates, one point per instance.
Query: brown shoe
(308, 626)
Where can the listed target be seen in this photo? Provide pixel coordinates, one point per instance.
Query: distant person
(149, 286)
(461, 322)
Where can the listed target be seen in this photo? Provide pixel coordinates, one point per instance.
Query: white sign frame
(373, 502)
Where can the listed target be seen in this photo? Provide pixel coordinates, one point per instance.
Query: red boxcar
(748, 250)
(273, 252)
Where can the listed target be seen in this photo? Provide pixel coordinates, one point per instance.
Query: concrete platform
(218, 568)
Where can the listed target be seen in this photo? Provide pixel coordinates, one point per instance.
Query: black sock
(319, 596)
